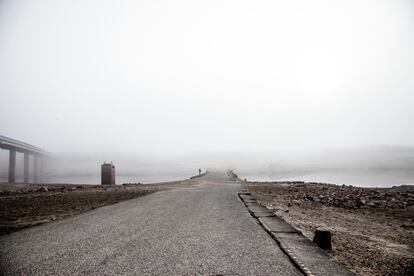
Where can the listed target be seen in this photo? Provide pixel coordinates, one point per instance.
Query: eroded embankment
(373, 229)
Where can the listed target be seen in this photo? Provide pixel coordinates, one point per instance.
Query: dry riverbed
(373, 228)
(26, 205)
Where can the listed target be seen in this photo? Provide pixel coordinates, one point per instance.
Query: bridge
(14, 146)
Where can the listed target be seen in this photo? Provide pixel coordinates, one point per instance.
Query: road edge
(276, 226)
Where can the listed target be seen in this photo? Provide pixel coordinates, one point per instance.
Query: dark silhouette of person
(199, 171)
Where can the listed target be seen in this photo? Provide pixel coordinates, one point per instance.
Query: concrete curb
(304, 254)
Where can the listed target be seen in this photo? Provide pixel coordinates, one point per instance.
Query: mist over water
(354, 178)
(379, 166)
(277, 90)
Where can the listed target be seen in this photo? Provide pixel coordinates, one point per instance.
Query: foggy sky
(193, 76)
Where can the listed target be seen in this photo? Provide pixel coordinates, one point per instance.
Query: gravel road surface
(201, 230)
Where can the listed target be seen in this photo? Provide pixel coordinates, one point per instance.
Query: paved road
(202, 230)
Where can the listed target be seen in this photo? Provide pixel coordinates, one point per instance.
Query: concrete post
(12, 166)
(323, 238)
(26, 167)
(36, 170)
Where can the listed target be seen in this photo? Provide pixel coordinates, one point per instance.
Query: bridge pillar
(36, 170)
(12, 166)
(26, 167)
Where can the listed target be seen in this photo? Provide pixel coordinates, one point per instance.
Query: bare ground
(26, 205)
(372, 228)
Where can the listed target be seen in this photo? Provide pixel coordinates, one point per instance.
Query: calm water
(360, 179)
(96, 179)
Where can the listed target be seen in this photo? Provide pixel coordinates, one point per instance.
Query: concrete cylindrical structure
(36, 170)
(12, 166)
(26, 167)
(108, 174)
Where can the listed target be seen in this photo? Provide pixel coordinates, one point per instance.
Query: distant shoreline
(368, 179)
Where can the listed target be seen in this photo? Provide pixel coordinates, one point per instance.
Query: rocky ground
(25, 205)
(373, 228)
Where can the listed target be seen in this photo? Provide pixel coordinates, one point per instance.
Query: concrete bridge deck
(14, 146)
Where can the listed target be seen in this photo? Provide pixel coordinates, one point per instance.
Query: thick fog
(254, 85)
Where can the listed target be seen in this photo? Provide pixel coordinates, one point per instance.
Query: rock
(296, 202)
(43, 189)
(316, 199)
(321, 197)
(371, 204)
(362, 201)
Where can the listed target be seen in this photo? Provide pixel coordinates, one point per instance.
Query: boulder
(316, 199)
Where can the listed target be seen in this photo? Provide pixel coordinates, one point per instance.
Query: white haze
(176, 85)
